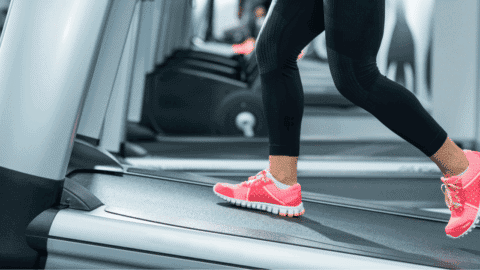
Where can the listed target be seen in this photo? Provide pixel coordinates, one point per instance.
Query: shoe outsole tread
(274, 209)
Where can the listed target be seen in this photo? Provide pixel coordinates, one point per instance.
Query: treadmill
(57, 214)
(205, 76)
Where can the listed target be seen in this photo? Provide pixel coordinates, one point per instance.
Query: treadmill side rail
(100, 239)
(74, 196)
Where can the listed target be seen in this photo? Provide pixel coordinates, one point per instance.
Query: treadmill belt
(180, 203)
(407, 197)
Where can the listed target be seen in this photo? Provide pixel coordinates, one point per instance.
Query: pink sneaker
(260, 192)
(462, 195)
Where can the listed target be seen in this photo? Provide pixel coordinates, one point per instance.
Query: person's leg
(354, 31)
(289, 27)
(450, 159)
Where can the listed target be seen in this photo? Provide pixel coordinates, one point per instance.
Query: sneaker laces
(260, 176)
(451, 189)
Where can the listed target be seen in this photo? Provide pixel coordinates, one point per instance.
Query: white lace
(260, 176)
(449, 189)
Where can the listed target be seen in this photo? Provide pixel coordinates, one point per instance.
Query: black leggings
(354, 31)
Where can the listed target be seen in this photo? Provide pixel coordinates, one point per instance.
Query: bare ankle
(450, 158)
(284, 167)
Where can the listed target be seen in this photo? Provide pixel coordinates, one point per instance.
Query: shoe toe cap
(223, 189)
(457, 227)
